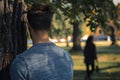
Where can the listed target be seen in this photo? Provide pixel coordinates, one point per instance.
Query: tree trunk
(113, 39)
(112, 36)
(76, 37)
(13, 38)
(67, 43)
(1, 15)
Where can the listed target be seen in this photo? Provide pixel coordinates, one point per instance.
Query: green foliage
(70, 8)
(61, 27)
(98, 11)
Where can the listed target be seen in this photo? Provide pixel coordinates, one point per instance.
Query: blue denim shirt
(43, 61)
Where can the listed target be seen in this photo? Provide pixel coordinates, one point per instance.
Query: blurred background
(73, 22)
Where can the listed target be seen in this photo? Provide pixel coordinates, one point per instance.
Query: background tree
(62, 26)
(98, 12)
(71, 10)
(13, 38)
(101, 15)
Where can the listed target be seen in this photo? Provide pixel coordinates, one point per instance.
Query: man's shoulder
(39, 51)
(24, 55)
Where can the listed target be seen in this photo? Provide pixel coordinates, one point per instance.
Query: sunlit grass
(108, 57)
(109, 64)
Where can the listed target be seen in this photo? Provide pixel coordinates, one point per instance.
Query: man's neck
(40, 37)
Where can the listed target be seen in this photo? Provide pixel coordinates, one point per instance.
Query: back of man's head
(40, 16)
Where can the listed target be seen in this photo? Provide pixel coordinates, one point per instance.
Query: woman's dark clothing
(89, 59)
(90, 53)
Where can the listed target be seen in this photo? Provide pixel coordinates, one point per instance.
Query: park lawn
(109, 63)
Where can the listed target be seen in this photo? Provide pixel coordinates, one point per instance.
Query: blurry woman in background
(90, 57)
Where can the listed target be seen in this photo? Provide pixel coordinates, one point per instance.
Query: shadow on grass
(108, 49)
(109, 62)
(113, 66)
(105, 73)
(80, 75)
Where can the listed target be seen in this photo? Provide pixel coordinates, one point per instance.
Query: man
(44, 60)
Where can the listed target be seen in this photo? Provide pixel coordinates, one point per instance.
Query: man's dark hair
(40, 16)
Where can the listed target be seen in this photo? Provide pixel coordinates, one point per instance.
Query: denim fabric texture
(43, 61)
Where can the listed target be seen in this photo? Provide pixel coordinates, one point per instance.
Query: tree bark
(13, 37)
(1, 15)
(67, 43)
(76, 37)
(112, 36)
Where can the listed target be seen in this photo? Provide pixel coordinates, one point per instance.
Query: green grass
(109, 63)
